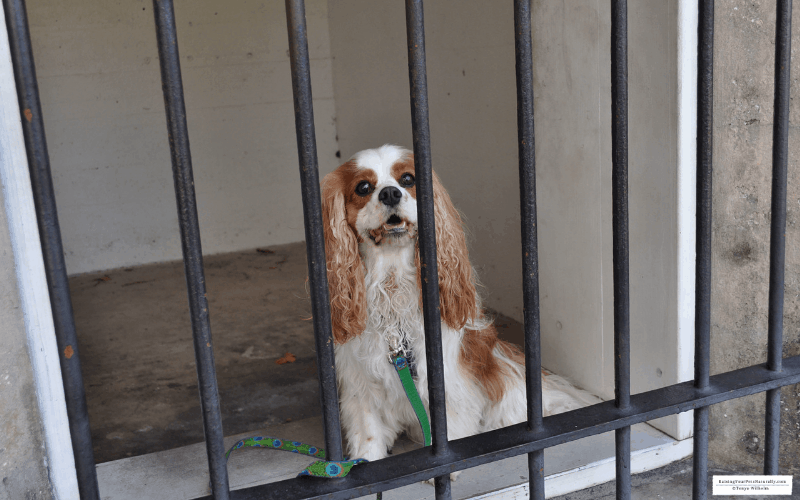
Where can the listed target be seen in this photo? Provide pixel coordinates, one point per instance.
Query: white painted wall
(470, 55)
(98, 72)
(470, 52)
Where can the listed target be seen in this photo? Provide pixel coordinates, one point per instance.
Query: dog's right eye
(364, 188)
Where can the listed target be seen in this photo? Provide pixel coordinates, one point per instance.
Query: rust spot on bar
(68, 352)
(28, 114)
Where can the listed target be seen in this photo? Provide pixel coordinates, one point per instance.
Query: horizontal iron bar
(421, 464)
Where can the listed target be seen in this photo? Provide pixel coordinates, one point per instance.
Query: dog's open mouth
(393, 227)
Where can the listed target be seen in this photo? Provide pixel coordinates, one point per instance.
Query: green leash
(401, 365)
(333, 468)
(320, 468)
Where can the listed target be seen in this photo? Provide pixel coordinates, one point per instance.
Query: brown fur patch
(477, 356)
(457, 295)
(347, 177)
(405, 166)
(340, 206)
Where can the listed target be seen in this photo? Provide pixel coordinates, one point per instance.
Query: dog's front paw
(453, 477)
(371, 453)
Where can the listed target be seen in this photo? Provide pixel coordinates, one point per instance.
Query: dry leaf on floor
(287, 358)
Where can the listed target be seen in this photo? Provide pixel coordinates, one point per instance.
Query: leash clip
(395, 348)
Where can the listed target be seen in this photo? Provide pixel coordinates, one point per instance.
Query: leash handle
(320, 468)
(330, 468)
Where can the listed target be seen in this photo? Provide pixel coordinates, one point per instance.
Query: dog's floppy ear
(345, 269)
(457, 295)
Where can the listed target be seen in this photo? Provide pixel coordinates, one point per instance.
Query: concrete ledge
(598, 472)
(182, 473)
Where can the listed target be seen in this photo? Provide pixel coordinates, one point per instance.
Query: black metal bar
(442, 486)
(702, 321)
(530, 256)
(52, 249)
(312, 213)
(619, 154)
(700, 454)
(772, 424)
(172, 87)
(619, 194)
(407, 468)
(705, 117)
(777, 243)
(622, 441)
(417, 75)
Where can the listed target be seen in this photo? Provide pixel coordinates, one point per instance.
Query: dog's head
(371, 200)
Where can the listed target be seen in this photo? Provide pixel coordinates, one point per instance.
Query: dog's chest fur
(393, 319)
(393, 297)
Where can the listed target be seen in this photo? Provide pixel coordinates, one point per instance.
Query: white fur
(374, 408)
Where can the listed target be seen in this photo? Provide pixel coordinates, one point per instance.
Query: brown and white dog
(370, 223)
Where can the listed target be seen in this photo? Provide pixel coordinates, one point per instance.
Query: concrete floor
(139, 369)
(138, 360)
(673, 482)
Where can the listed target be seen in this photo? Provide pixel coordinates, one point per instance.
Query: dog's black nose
(390, 196)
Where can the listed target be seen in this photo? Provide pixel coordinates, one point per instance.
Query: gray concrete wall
(23, 458)
(470, 54)
(743, 112)
(98, 72)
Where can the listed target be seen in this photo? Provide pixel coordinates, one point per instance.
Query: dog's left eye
(406, 180)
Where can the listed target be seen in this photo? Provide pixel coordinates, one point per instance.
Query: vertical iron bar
(622, 439)
(705, 115)
(619, 133)
(312, 213)
(417, 75)
(772, 429)
(702, 318)
(178, 134)
(52, 248)
(700, 454)
(777, 243)
(530, 256)
(442, 487)
(619, 154)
